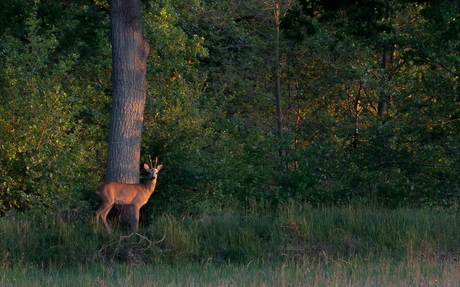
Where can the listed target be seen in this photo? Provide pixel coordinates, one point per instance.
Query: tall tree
(130, 50)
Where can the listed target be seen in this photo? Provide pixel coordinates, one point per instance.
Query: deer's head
(153, 171)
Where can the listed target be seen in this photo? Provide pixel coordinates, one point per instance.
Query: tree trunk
(383, 97)
(129, 64)
(277, 76)
(384, 66)
(277, 73)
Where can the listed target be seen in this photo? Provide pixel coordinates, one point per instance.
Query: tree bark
(277, 79)
(129, 63)
(277, 73)
(130, 50)
(384, 66)
(383, 97)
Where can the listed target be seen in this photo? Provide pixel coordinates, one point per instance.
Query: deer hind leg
(102, 212)
(136, 217)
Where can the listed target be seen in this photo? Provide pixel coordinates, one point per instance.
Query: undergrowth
(292, 233)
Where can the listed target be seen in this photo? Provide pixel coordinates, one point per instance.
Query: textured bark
(129, 55)
(383, 97)
(384, 65)
(277, 80)
(277, 74)
(129, 64)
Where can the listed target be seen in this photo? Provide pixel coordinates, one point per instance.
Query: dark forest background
(249, 103)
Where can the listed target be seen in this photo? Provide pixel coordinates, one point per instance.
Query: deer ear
(146, 166)
(159, 167)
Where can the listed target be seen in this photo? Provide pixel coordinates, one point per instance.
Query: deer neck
(150, 185)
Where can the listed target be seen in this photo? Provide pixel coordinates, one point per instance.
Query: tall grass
(356, 273)
(367, 232)
(292, 246)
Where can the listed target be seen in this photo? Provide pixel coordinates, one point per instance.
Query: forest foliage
(366, 110)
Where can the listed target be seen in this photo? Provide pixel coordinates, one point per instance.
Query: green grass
(358, 273)
(292, 246)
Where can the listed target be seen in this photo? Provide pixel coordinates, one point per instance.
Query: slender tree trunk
(384, 65)
(356, 114)
(129, 64)
(277, 90)
(383, 97)
(277, 73)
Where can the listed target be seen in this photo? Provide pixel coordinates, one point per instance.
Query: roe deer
(128, 194)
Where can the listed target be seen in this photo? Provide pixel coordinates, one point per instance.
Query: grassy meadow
(291, 246)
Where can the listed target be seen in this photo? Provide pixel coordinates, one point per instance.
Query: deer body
(136, 195)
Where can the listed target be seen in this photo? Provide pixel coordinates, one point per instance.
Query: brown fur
(136, 195)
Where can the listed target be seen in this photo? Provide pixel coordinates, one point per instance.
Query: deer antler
(156, 162)
(150, 158)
